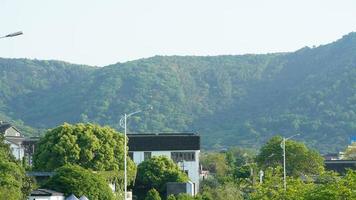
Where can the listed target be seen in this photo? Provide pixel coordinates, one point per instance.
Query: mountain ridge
(230, 99)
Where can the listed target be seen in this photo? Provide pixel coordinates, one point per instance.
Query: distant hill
(231, 100)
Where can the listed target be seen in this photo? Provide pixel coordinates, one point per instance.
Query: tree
(12, 175)
(225, 191)
(216, 163)
(152, 194)
(87, 145)
(73, 179)
(171, 197)
(156, 172)
(272, 187)
(299, 159)
(334, 187)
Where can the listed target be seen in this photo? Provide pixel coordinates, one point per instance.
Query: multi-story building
(182, 148)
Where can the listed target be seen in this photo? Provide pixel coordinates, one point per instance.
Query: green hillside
(231, 100)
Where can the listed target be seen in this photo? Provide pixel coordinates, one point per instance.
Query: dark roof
(164, 142)
(340, 166)
(45, 192)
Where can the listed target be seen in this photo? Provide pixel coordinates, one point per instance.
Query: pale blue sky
(103, 32)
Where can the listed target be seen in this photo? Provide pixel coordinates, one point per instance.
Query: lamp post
(12, 34)
(123, 124)
(283, 145)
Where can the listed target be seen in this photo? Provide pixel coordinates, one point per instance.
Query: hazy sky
(103, 32)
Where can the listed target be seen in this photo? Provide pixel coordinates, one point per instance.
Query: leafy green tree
(216, 163)
(225, 191)
(14, 184)
(73, 179)
(171, 197)
(300, 160)
(333, 187)
(238, 157)
(152, 194)
(87, 145)
(156, 172)
(11, 180)
(272, 187)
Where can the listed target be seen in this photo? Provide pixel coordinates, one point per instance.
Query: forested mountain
(231, 100)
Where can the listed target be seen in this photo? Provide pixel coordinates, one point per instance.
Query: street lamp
(13, 34)
(123, 124)
(283, 145)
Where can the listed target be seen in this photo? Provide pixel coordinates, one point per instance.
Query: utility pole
(283, 146)
(123, 124)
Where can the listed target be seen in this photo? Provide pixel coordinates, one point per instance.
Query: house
(182, 148)
(45, 194)
(14, 138)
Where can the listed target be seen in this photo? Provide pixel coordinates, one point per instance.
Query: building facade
(182, 148)
(14, 138)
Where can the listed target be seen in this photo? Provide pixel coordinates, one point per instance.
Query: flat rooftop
(164, 142)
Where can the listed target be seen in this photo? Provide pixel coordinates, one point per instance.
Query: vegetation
(73, 179)
(152, 194)
(154, 173)
(87, 145)
(305, 161)
(231, 100)
(13, 181)
(322, 185)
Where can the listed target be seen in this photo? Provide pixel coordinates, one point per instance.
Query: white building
(14, 138)
(44, 194)
(183, 148)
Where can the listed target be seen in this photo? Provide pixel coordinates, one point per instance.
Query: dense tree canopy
(156, 172)
(12, 175)
(152, 194)
(299, 159)
(72, 179)
(87, 145)
(231, 100)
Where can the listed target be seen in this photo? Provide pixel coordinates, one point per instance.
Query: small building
(182, 148)
(45, 194)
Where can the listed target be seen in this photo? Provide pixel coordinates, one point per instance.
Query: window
(183, 156)
(147, 155)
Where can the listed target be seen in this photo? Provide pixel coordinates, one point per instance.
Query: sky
(103, 32)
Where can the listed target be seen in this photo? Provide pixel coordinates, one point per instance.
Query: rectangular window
(183, 156)
(147, 155)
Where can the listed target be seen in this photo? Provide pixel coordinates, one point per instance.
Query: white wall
(46, 198)
(17, 151)
(12, 132)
